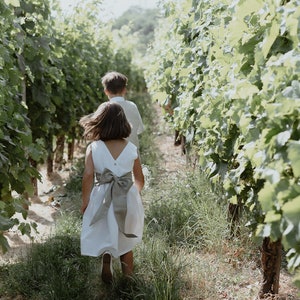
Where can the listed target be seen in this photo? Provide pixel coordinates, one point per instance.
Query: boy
(114, 84)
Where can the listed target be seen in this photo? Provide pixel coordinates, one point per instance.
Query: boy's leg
(127, 263)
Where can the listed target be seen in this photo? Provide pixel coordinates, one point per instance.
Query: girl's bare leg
(127, 263)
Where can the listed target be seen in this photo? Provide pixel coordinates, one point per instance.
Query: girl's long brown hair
(107, 123)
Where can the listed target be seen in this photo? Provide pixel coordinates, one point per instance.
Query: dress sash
(116, 194)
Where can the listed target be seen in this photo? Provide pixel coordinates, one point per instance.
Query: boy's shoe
(107, 271)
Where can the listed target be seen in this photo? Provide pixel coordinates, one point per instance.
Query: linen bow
(117, 194)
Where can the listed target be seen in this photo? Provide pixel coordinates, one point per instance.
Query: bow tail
(103, 207)
(120, 211)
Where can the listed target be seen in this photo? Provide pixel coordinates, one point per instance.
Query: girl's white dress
(104, 235)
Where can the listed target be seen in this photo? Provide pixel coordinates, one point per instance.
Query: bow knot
(117, 194)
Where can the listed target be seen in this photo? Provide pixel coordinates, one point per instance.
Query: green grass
(187, 212)
(51, 270)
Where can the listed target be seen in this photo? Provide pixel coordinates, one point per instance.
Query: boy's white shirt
(133, 116)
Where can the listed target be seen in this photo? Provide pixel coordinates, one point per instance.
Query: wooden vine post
(271, 262)
(59, 152)
(234, 212)
(71, 147)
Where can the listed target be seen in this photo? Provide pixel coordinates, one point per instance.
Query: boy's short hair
(114, 82)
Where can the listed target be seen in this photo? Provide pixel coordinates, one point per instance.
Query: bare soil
(43, 211)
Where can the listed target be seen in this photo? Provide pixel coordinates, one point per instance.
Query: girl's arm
(138, 175)
(87, 179)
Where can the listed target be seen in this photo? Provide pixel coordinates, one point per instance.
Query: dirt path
(42, 211)
(172, 158)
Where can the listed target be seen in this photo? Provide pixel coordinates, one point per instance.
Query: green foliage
(85, 55)
(16, 144)
(141, 22)
(230, 73)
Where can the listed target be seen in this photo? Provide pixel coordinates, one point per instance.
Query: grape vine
(230, 71)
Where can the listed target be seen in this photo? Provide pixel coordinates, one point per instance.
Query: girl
(113, 214)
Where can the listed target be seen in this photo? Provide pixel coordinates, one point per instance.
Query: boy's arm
(141, 127)
(87, 179)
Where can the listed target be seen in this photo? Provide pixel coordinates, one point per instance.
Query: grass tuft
(51, 270)
(187, 213)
